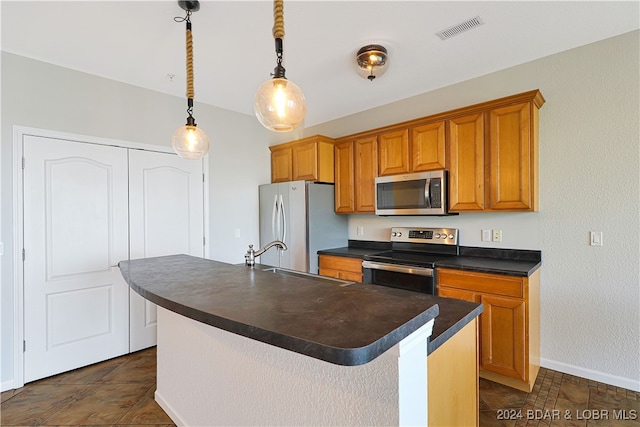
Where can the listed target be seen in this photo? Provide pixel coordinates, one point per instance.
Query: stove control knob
(394, 234)
(399, 233)
(437, 236)
(451, 236)
(444, 236)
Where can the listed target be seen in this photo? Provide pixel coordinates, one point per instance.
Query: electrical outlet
(595, 238)
(486, 235)
(360, 230)
(497, 235)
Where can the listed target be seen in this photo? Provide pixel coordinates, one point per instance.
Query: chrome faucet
(250, 256)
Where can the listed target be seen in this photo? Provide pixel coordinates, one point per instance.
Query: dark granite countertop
(454, 315)
(357, 249)
(512, 262)
(345, 325)
(490, 265)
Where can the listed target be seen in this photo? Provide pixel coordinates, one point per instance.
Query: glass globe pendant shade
(190, 142)
(280, 105)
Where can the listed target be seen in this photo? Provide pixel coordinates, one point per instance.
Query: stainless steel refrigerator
(302, 215)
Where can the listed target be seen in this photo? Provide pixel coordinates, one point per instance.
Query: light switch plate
(595, 238)
(486, 235)
(237, 233)
(359, 230)
(1, 248)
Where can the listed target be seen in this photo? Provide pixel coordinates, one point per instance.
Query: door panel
(166, 216)
(75, 232)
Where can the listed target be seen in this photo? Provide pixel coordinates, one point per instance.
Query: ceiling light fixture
(189, 141)
(372, 61)
(279, 103)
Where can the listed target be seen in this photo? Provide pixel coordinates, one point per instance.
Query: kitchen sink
(294, 273)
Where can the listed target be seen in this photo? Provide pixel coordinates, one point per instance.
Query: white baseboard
(589, 374)
(177, 420)
(6, 385)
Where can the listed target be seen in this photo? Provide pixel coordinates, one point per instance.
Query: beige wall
(589, 180)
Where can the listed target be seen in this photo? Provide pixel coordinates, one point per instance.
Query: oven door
(417, 279)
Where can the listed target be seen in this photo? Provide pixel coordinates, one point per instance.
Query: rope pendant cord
(278, 19)
(189, 62)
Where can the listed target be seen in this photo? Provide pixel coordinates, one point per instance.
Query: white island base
(208, 376)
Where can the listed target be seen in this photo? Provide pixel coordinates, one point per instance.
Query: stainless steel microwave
(423, 193)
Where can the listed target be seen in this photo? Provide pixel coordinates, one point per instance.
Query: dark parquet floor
(119, 392)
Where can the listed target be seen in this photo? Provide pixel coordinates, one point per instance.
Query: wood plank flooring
(119, 392)
(115, 392)
(559, 399)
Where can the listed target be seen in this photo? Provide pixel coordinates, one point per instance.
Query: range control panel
(440, 236)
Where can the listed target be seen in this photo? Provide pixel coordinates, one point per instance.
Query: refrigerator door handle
(274, 217)
(284, 220)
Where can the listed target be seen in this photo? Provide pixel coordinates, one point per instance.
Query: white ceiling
(139, 43)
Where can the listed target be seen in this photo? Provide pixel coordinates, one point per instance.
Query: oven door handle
(420, 271)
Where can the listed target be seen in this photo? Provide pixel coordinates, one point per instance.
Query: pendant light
(189, 141)
(279, 103)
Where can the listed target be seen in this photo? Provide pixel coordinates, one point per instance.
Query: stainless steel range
(410, 264)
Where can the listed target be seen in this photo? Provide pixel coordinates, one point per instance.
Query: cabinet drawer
(344, 275)
(482, 282)
(353, 265)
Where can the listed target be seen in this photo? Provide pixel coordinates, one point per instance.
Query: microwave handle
(427, 192)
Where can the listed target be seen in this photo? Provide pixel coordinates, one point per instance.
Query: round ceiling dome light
(372, 61)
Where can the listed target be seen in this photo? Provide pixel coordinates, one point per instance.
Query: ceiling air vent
(460, 28)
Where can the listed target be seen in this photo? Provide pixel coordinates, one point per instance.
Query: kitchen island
(242, 346)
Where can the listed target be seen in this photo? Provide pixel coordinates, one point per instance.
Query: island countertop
(345, 325)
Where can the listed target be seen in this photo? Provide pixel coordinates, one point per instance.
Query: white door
(76, 303)
(166, 218)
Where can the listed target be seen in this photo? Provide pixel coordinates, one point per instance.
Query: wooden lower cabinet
(452, 380)
(344, 268)
(509, 338)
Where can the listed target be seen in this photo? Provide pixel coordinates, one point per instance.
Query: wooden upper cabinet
(366, 170)
(490, 151)
(356, 166)
(428, 147)
(309, 159)
(493, 156)
(281, 165)
(512, 164)
(344, 176)
(393, 152)
(466, 163)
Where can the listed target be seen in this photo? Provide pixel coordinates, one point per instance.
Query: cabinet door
(394, 152)
(428, 147)
(512, 153)
(305, 162)
(344, 173)
(466, 163)
(366, 170)
(503, 345)
(281, 165)
(341, 267)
